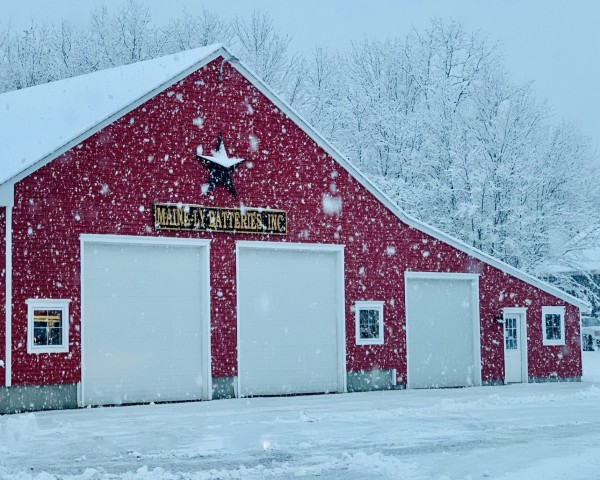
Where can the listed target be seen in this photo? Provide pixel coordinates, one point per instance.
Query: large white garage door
(289, 340)
(442, 332)
(143, 337)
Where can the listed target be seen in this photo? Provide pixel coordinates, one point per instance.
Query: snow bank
(375, 466)
(16, 428)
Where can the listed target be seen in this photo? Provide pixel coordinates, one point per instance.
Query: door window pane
(510, 333)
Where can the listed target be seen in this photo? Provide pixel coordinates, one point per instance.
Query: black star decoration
(219, 167)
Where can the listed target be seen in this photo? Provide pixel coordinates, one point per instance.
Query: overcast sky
(555, 43)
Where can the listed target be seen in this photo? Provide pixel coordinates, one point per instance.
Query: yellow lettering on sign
(281, 222)
(261, 225)
(272, 219)
(226, 215)
(200, 218)
(161, 216)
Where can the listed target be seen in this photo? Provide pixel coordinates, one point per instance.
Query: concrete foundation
(223, 387)
(553, 379)
(367, 381)
(36, 398)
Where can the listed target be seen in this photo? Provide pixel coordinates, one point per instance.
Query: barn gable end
(107, 186)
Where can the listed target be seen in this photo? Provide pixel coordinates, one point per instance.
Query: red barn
(172, 230)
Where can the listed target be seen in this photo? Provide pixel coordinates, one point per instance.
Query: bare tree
(124, 37)
(259, 44)
(192, 31)
(27, 58)
(322, 91)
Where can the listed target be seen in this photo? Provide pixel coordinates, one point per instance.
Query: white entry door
(290, 319)
(145, 321)
(515, 346)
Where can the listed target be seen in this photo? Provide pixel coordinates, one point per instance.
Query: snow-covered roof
(40, 123)
(35, 122)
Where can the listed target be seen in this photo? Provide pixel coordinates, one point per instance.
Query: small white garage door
(289, 338)
(143, 331)
(442, 331)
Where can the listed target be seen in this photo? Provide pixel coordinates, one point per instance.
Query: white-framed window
(553, 325)
(47, 325)
(369, 323)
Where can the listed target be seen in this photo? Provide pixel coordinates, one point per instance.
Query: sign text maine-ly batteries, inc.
(169, 216)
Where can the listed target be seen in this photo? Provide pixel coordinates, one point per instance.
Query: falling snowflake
(332, 205)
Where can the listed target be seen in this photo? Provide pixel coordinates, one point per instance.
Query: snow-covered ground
(537, 431)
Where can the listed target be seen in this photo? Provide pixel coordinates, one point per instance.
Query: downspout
(7, 199)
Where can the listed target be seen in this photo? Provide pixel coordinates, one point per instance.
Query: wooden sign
(196, 218)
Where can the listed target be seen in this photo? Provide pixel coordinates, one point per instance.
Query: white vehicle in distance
(590, 333)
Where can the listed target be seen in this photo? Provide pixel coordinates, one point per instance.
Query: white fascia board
(388, 202)
(7, 195)
(221, 51)
(8, 298)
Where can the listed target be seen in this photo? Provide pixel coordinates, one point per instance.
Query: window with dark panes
(369, 324)
(553, 326)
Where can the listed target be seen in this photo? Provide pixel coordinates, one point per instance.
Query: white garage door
(289, 310)
(144, 317)
(442, 332)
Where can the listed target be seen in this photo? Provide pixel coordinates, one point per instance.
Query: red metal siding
(108, 184)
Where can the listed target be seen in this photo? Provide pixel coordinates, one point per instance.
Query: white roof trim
(327, 147)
